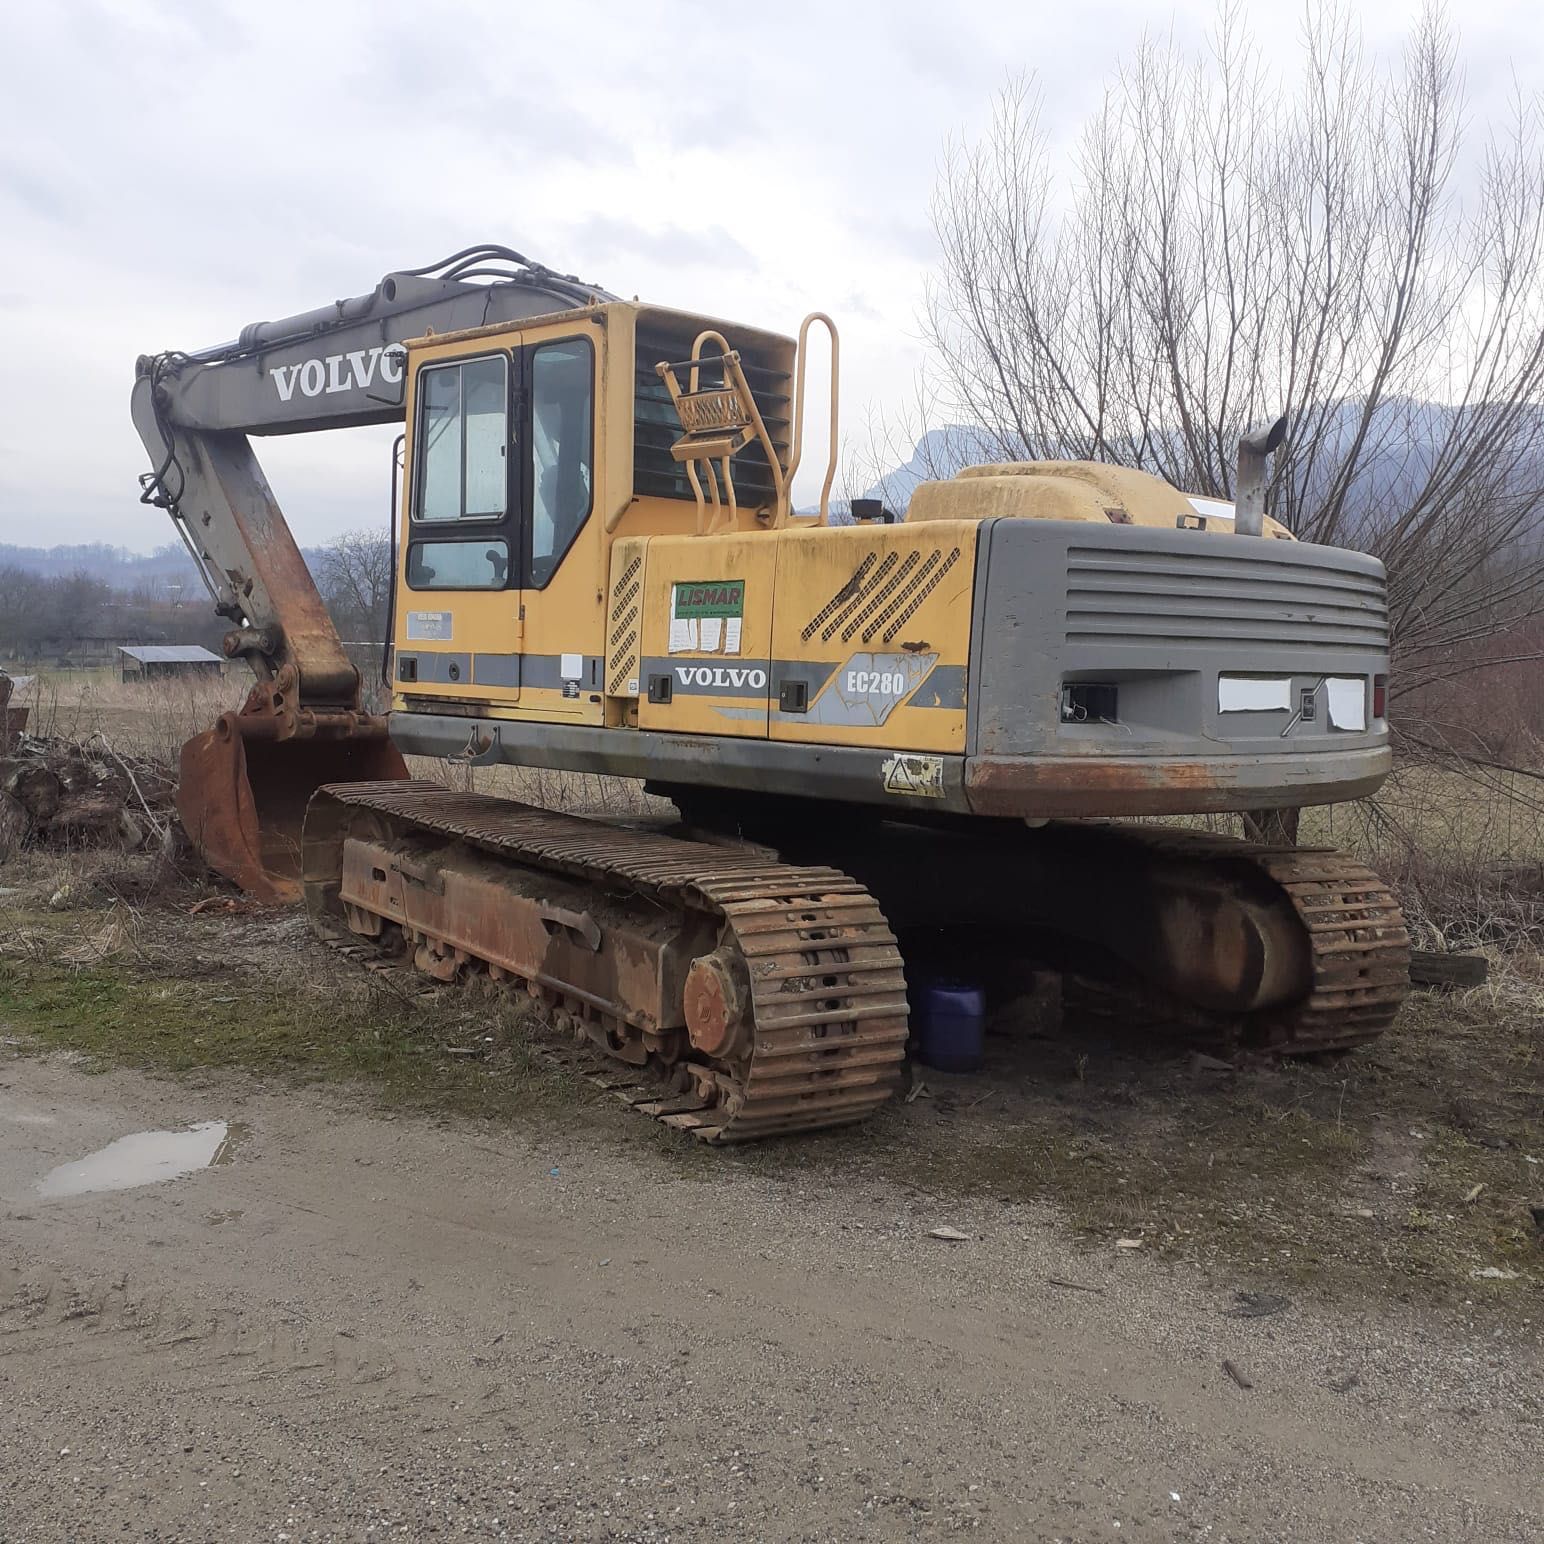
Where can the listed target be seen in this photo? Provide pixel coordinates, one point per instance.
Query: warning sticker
(706, 616)
(920, 777)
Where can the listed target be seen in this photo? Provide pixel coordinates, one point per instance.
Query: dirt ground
(444, 1288)
(373, 1325)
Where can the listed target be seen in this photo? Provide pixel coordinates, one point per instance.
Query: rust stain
(1106, 786)
(243, 786)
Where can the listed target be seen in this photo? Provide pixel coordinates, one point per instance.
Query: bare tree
(1224, 247)
(354, 575)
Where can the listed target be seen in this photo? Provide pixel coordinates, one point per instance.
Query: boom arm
(333, 368)
(243, 786)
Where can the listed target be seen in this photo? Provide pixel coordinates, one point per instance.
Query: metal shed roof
(170, 653)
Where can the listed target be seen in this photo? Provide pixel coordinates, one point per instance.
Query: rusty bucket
(244, 786)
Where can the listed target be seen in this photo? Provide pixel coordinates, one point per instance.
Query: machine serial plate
(425, 626)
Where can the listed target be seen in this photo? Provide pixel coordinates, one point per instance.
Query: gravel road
(367, 1327)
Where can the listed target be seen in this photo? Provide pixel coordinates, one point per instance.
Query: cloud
(173, 169)
(672, 246)
(47, 200)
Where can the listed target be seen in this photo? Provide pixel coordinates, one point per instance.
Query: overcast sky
(172, 169)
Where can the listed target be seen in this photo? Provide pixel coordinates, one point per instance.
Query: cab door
(464, 529)
(563, 553)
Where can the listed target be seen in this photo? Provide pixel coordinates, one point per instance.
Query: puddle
(145, 1158)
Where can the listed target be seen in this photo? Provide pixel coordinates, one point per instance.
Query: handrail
(797, 452)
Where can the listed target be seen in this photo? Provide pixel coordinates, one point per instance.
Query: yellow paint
(1066, 490)
(874, 620)
(877, 601)
(742, 664)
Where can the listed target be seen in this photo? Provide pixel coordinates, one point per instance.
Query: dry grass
(579, 793)
(145, 718)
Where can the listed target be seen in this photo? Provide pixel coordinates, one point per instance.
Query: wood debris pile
(60, 793)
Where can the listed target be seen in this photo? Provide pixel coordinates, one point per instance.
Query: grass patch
(1349, 1177)
(141, 1009)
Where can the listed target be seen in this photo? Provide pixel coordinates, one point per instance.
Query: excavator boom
(245, 783)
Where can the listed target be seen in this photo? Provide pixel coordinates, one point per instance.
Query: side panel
(1128, 670)
(871, 639)
(707, 630)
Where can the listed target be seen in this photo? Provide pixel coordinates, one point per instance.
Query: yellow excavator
(874, 730)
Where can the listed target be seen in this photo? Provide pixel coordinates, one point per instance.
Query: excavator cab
(246, 782)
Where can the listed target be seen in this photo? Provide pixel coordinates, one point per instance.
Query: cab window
(457, 565)
(562, 450)
(464, 430)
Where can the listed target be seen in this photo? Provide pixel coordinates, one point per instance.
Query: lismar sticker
(706, 616)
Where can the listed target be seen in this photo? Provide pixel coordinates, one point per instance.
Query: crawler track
(823, 1033)
(1359, 955)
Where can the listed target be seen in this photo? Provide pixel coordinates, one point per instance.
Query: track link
(826, 1011)
(1359, 954)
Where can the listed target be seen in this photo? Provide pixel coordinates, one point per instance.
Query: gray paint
(500, 670)
(503, 671)
(1160, 614)
(248, 385)
(546, 670)
(978, 615)
(944, 688)
(769, 766)
(733, 676)
(434, 668)
(841, 773)
(868, 687)
(814, 674)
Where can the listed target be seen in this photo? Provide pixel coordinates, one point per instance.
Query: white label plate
(1348, 701)
(1253, 694)
(427, 626)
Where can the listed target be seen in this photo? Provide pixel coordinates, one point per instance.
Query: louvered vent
(1209, 598)
(881, 597)
(656, 426)
(624, 619)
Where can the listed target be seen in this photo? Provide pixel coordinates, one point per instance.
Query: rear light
(1380, 696)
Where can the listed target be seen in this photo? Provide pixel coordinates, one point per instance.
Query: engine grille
(656, 425)
(1138, 597)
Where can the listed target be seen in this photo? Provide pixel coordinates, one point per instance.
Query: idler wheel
(717, 998)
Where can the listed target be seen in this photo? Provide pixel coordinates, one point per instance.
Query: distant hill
(161, 570)
(167, 572)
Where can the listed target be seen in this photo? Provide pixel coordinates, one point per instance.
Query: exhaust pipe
(1254, 449)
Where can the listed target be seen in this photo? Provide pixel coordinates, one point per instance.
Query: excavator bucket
(244, 786)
